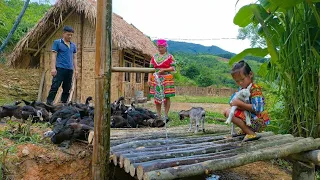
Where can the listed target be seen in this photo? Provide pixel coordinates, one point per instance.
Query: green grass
(201, 99)
(210, 119)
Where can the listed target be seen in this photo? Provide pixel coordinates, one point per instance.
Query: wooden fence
(203, 91)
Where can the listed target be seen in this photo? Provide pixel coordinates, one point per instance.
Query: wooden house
(130, 48)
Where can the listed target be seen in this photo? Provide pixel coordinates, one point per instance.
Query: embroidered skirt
(257, 125)
(162, 89)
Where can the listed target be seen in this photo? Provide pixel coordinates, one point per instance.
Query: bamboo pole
(133, 69)
(241, 159)
(158, 142)
(176, 162)
(101, 148)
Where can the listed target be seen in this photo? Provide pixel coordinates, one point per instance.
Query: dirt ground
(46, 161)
(42, 161)
(178, 106)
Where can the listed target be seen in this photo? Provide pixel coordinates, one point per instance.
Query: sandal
(251, 137)
(239, 133)
(167, 119)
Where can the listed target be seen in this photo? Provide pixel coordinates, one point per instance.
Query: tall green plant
(291, 31)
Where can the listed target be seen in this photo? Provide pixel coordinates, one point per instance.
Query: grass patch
(20, 133)
(201, 99)
(210, 119)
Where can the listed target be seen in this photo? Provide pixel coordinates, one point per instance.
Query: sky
(206, 22)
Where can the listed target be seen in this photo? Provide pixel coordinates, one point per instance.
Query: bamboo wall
(45, 59)
(132, 85)
(84, 38)
(204, 91)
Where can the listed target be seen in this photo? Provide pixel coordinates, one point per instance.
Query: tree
(204, 81)
(251, 32)
(191, 71)
(16, 23)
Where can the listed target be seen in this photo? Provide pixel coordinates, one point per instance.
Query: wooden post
(101, 142)
(303, 171)
(41, 85)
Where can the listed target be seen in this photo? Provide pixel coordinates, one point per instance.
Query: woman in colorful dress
(161, 82)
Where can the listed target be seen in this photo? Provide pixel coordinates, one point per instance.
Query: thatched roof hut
(130, 48)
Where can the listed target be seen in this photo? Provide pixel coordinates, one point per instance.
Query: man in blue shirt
(63, 65)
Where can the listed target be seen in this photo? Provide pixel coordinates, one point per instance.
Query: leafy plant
(291, 32)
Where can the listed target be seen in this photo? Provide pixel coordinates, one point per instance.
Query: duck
(64, 113)
(9, 110)
(67, 133)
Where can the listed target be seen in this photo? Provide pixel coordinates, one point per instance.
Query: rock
(25, 151)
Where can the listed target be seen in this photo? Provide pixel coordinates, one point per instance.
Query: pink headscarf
(162, 42)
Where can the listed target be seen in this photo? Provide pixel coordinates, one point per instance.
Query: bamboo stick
(117, 158)
(146, 143)
(284, 150)
(174, 148)
(126, 166)
(176, 162)
(144, 158)
(161, 148)
(136, 157)
(183, 140)
(267, 141)
(154, 135)
(152, 143)
(134, 166)
(245, 147)
(121, 140)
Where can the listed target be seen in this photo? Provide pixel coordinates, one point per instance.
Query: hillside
(15, 85)
(194, 49)
(206, 70)
(191, 48)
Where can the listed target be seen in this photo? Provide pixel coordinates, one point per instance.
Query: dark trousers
(64, 77)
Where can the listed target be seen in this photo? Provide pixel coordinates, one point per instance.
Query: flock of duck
(73, 121)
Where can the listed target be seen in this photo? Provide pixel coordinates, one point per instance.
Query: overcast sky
(185, 20)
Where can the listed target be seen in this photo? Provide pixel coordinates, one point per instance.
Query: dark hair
(241, 66)
(68, 29)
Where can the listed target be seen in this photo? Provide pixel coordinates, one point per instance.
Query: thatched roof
(124, 35)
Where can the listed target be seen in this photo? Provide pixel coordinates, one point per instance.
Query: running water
(162, 97)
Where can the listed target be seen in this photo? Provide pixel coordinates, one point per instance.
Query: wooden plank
(58, 96)
(54, 32)
(41, 85)
(74, 82)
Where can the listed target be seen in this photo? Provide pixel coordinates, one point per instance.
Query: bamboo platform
(147, 154)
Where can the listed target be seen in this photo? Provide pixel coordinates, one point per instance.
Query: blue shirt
(64, 53)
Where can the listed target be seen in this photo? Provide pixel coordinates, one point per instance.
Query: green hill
(206, 70)
(191, 48)
(194, 49)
